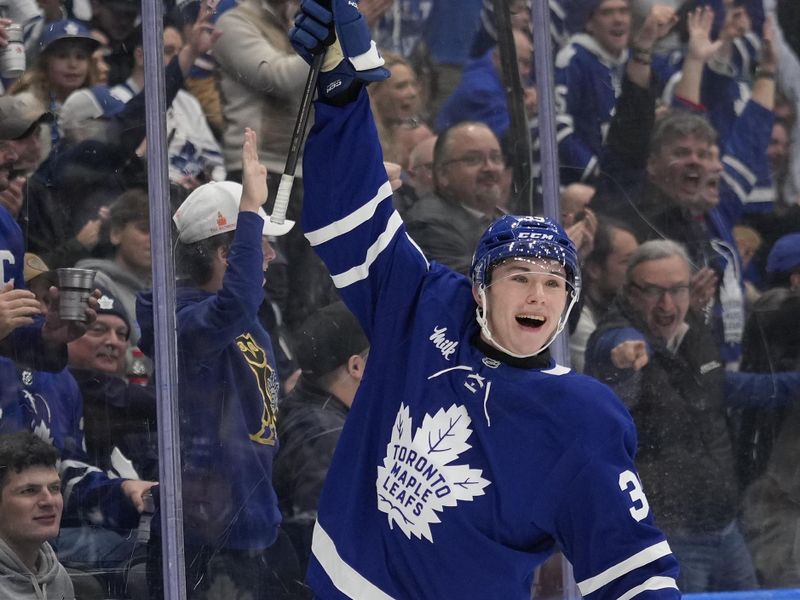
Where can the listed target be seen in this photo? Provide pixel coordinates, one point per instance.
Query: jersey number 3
(629, 482)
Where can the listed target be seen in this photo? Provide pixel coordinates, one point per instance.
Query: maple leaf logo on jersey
(417, 479)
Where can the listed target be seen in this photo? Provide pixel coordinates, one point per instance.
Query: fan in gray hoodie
(49, 582)
(30, 514)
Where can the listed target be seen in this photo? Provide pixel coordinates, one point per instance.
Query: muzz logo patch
(418, 480)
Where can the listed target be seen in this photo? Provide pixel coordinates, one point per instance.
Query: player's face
(610, 25)
(659, 292)
(679, 168)
(102, 347)
(525, 302)
(30, 507)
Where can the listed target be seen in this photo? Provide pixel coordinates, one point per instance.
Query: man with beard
(468, 168)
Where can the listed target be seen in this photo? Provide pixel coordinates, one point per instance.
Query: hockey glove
(351, 61)
(313, 29)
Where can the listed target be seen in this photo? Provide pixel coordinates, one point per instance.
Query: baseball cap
(19, 113)
(213, 208)
(64, 30)
(34, 266)
(108, 304)
(327, 339)
(784, 257)
(90, 103)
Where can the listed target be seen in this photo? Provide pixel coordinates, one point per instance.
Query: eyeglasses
(656, 292)
(420, 168)
(476, 159)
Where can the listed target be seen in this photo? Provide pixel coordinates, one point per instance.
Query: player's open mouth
(531, 321)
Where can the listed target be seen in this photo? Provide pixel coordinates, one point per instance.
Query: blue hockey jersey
(588, 81)
(12, 249)
(50, 405)
(456, 474)
(24, 344)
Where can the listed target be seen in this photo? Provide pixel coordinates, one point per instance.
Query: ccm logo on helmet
(532, 235)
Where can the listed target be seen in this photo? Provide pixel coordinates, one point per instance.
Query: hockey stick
(287, 179)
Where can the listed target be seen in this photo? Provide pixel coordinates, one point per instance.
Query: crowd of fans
(680, 177)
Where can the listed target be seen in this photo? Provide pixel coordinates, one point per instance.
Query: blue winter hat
(785, 254)
(66, 29)
(109, 304)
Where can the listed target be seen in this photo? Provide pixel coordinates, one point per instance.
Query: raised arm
(699, 51)
(348, 214)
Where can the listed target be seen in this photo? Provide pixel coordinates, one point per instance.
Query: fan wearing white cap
(229, 384)
(210, 211)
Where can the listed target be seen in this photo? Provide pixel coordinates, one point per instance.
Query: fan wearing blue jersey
(468, 454)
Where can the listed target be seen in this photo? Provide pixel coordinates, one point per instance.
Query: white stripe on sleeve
(359, 272)
(740, 168)
(737, 189)
(648, 555)
(346, 579)
(654, 583)
(361, 215)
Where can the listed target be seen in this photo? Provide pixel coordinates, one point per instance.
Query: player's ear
(476, 296)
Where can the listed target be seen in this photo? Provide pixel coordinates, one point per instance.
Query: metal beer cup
(75, 286)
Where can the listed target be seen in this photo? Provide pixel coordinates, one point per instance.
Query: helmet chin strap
(480, 317)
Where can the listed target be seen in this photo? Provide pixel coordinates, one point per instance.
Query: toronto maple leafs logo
(38, 410)
(417, 479)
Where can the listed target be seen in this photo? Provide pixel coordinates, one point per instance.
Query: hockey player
(468, 453)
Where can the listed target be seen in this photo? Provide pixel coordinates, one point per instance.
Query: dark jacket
(768, 439)
(309, 423)
(119, 415)
(684, 458)
(445, 231)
